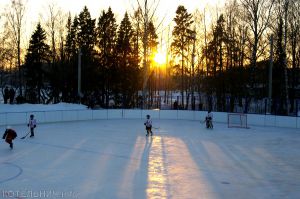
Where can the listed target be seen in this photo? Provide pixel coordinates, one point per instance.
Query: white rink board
(153, 113)
(169, 114)
(255, 120)
(78, 115)
(100, 114)
(132, 114)
(85, 115)
(17, 118)
(53, 116)
(115, 114)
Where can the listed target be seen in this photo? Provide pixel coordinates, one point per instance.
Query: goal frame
(241, 123)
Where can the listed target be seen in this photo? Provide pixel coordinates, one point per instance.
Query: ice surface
(113, 159)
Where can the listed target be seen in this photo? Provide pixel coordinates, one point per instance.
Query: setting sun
(160, 58)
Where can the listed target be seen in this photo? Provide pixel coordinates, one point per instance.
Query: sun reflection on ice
(172, 170)
(157, 187)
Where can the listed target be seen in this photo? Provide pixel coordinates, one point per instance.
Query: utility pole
(286, 6)
(205, 41)
(146, 15)
(193, 66)
(167, 71)
(159, 68)
(145, 45)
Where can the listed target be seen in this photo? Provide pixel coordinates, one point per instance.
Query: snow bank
(8, 108)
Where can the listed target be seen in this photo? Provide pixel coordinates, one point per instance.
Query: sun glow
(160, 58)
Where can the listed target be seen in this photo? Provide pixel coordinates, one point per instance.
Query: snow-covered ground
(39, 107)
(113, 159)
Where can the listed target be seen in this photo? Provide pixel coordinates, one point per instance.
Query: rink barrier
(16, 118)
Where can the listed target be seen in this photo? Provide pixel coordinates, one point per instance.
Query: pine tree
(71, 50)
(86, 35)
(106, 43)
(152, 44)
(86, 40)
(127, 71)
(152, 41)
(71, 46)
(180, 44)
(278, 75)
(36, 62)
(216, 55)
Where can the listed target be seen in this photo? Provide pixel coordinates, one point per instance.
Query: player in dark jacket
(32, 125)
(208, 120)
(148, 124)
(9, 135)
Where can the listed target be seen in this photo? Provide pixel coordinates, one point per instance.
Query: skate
(11, 145)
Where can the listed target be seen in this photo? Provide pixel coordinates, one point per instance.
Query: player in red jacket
(9, 135)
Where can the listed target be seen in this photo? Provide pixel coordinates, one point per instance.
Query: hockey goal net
(237, 120)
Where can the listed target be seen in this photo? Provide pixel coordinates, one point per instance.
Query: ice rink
(113, 159)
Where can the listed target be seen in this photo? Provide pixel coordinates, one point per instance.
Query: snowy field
(113, 159)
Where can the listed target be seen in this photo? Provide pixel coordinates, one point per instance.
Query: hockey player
(208, 120)
(32, 125)
(148, 124)
(9, 135)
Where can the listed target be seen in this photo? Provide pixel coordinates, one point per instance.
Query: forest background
(229, 57)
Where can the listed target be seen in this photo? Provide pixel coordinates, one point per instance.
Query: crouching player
(9, 135)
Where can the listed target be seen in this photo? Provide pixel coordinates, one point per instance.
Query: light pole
(193, 37)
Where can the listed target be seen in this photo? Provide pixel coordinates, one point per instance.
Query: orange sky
(166, 8)
(165, 11)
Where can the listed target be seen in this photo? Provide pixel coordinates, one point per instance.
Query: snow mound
(6, 108)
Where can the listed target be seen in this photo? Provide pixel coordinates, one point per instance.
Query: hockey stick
(155, 127)
(25, 136)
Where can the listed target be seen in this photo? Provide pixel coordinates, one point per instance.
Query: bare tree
(7, 55)
(283, 31)
(257, 16)
(147, 14)
(289, 12)
(286, 8)
(294, 24)
(15, 17)
(55, 27)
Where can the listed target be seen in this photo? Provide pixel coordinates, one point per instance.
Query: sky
(165, 11)
(118, 6)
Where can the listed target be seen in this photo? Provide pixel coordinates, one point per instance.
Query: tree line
(246, 46)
